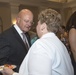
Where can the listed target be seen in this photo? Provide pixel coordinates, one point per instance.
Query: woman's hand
(7, 71)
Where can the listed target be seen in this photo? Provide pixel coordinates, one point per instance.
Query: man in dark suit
(12, 47)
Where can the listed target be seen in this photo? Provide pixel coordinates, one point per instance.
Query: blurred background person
(71, 29)
(64, 37)
(35, 37)
(12, 48)
(48, 55)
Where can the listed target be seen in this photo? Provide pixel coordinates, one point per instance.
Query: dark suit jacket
(12, 48)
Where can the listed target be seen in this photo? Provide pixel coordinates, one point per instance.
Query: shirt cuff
(15, 73)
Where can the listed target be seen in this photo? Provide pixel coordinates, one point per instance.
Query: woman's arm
(72, 41)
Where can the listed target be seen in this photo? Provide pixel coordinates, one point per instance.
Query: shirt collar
(48, 34)
(18, 29)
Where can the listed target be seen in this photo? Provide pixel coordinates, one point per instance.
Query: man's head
(49, 21)
(24, 20)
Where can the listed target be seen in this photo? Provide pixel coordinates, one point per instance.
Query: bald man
(12, 47)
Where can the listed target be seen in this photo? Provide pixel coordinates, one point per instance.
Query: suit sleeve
(4, 51)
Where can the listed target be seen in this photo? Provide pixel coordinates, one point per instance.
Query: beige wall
(8, 11)
(5, 16)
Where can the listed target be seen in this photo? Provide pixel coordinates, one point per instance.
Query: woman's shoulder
(73, 29)
(73, 26)
(72, 32)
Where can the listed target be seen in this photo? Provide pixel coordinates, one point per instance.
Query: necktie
(25, 41)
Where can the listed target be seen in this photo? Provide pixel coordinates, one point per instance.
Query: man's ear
(18, 20)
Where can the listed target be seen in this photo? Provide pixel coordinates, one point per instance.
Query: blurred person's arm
(72, 41)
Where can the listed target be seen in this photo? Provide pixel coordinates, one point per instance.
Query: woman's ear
(43, 26)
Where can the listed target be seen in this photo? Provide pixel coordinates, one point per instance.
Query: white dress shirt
(47, 56)
(18, 30)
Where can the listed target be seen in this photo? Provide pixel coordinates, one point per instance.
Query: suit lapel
(18, 37)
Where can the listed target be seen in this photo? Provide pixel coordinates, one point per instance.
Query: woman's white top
(47, 56)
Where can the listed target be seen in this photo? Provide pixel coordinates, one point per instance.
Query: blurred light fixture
(14, 21)
(62, 1)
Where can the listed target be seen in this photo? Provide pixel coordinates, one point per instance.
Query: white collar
(18, 29)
